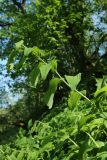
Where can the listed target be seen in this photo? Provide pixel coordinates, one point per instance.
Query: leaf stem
(64, 80)
(92, 139)
(74, 142)
(83, 95)
(70, 87)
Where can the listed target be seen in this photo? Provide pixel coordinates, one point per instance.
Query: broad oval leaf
(73, 81)
(44, 70)
(49, 96)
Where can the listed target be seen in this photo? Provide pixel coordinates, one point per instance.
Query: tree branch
(20, 5)
(4, 24)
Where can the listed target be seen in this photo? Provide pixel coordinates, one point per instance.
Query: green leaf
(102, 155)
(51, 91)
(30, 124)
(19, 44)
(73, 99)
(73, 81)
(37, 3)
(34, 77)
(54, 64)
(44, 70)
(100, 143)
(27, 51)
(20, 155)
(10, 67)
(10, 63)
(47, 148)
(104, 89)
(99, 83)
(38, 52)
(83, 92)
(12, 157)
(21, 62)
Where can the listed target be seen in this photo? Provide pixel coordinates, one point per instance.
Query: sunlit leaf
(11, 66)
(20, 155)
(19, 44)
(102, 155)
(104, 89)
(73, 99)
(27, 51)
(54, 64)
(10, 63)
(73, 81)
(99, 83)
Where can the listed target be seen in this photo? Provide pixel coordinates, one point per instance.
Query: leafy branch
(65, 81)
(41, 72)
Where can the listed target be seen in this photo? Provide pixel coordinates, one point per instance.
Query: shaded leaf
(44, 70)
(34, 77)
(21, 62)
(30, 123)
(73, 99)
(83, 92)
(51, 91)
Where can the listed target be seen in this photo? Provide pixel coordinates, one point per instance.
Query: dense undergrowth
(64, 134)
(76, 129)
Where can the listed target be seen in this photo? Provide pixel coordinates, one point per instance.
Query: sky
(7, 96)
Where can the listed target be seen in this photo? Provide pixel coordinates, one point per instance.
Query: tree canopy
(59, 48)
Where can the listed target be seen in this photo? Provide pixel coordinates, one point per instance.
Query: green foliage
(78, 134)
(66, 42)
(42, 71)
(48, 99)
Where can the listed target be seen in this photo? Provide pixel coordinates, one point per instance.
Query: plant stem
(65, 81)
